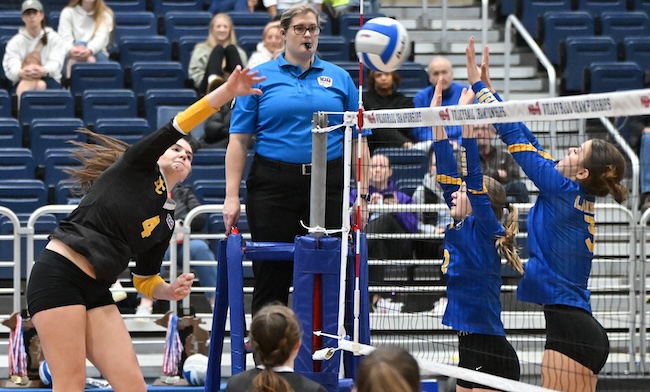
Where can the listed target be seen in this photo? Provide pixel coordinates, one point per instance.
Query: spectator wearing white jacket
(270, 46)
(85, 27)
(34, 37)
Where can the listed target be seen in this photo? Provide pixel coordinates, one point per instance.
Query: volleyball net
(406, 287)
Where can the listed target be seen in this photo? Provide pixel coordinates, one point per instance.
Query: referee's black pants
(277, 199)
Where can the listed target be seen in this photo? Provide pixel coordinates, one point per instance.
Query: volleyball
(44, 373)
(195, 368)
(382, 44)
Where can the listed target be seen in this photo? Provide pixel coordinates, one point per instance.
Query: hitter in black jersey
(126, 214)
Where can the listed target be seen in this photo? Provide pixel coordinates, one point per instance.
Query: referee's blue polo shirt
(281, 118)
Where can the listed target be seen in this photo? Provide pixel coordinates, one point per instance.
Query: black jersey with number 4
(126, 214)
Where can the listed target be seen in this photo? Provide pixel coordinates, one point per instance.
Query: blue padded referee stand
(312, 257)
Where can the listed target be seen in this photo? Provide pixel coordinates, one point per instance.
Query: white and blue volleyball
(195, 368)
(44, 374)
(382, 44)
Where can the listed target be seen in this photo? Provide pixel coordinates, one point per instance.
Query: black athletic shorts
(577, 334)
(55, 281)
(487, 354)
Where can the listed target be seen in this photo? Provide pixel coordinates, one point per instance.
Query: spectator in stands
(439, 70)
(186, 201)
(382, 191)
(275, 338)
(85, 27)
(212, 61)
(498, 163)
(388, 369)
(34, 37)
(125, 213)
(474, 245)
(33, 59)
(225, 6)
(561, 241)
(277, 188)
(270, 46)
(382, 94)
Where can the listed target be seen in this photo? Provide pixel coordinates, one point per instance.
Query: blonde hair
(506, 245)
(211, 41)
(100, 12)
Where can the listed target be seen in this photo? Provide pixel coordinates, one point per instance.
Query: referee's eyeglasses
(301, 30)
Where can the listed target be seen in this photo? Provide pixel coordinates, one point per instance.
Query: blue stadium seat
(5, 104)
(11, 134)
(16, 163)
(641, 5)
(507, 7)
(558, 25)
(53, 19)
(348, 24)
(621, 24)
(146, 75)
(637, 49)
(532, 10)
(166, 113)
(10, 22)
(46, 134)
(333, 48)
(580, 53)
(352, 68)
(326, 25)
(86, 76)
(162, 7)
(139, 24)
(4, 82)
(129, 130)
(614, 76)
(165, 97)
(108, 103)
(143, 48)
(241, 18)
(208, 164)
(249, 31)
(413, 76)
(23, 196)
(45, 104)
(127, 5)
(408, 185)
(45, 224)
(65, 193)
(596, 7)
(248, 43)
(179, 24)
(185, 48)
(406, 163)
(214, 191)
(57, 160)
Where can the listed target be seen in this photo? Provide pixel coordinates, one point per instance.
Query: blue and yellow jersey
(471, 262)
(561, 224)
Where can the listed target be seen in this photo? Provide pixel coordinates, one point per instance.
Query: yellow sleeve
(189, 118)
(146, 285)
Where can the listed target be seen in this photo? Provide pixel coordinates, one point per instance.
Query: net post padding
(620, 103)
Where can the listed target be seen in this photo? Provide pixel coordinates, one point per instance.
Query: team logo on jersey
(170, 221)
(325, 81)
(159, 185)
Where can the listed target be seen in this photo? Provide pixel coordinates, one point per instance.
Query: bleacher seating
(129, 130)
(45, 134)
(240, 18)
(16, 163)
(87, 76)
(352, 68)
(23, 196)
(162, 7)
(596, 7)
(641, 5)
(154, 98)
(621, 24)
(179, 24)
(214, 191)
(185, 48)
(613, 76)
(108, 103)
(532, 10)
(333, 48)
(248, 43)
(5, 104)
(146, 75)
(57, 160)
(45, 104)
(406, 163)
(413, 76)
(558, 25)
(407, 185)
(127, 5)
(138, 24)
(53, 19)
(10, 22)
(4, 82)
(348, 25)
(208, 164)
(64, 193)
(144, 48)
(249, 31)
(11, 134)
(580, 52)
(637, 49)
